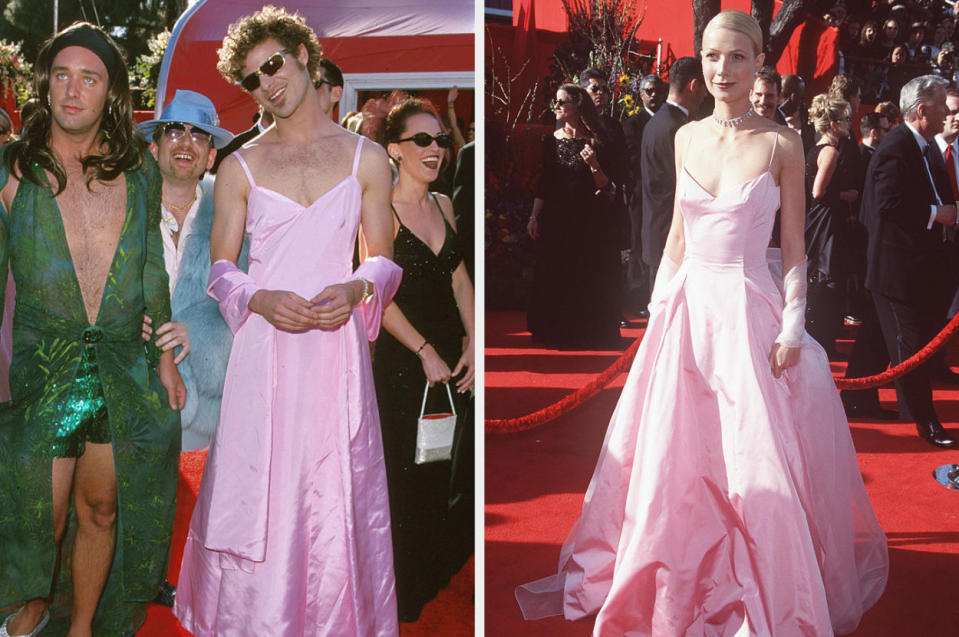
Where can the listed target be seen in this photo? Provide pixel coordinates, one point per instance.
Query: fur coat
(204, 368)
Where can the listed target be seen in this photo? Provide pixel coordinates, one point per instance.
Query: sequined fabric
(51, 368)
(418, 493)
(85, 413)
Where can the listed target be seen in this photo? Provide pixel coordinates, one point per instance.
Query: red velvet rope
(581, 395)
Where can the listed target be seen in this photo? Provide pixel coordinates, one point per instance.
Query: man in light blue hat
(184, 140)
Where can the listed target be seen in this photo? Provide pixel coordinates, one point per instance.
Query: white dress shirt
(925, 162)
(173, 252)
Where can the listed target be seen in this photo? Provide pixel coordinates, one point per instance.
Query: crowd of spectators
(886, 43)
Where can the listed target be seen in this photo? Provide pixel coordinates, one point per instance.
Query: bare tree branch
(703, 12)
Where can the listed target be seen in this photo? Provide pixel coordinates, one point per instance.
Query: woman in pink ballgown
(727, 499)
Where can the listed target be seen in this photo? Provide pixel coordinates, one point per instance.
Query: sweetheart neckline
(315, 201)
(738, 187)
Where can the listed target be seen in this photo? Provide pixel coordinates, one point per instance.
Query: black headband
(91, 39)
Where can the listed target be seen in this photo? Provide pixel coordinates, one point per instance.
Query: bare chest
(92, 222)
(302, 174)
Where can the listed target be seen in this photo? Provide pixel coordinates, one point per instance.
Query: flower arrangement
(16, 74)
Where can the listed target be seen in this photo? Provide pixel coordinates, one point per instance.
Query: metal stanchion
(948, 476)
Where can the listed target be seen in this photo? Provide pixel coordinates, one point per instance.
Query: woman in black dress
(826, 218)
(428, 339)
(573, 301)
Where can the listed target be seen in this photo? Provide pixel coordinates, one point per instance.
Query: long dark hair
(124, 144)
(588, 114)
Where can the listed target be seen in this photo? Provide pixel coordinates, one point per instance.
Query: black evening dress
(825, 224)
(573, 301)
(424, 548)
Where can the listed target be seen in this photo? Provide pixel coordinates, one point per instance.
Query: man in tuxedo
(653, 94)
(794, 109)
(330, 76)
(765, 95)
(594, 82)
(869, 355)
(906, 219)
(687, 88)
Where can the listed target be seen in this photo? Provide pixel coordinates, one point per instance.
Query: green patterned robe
(49, 324)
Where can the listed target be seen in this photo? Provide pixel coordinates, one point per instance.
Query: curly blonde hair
(288, 29)
(825, 110)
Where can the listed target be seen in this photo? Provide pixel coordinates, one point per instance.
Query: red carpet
(450, 614)
(535, 482)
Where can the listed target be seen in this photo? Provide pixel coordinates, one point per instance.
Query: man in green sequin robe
(89, 443)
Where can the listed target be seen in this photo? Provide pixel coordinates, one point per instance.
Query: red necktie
(951, 169)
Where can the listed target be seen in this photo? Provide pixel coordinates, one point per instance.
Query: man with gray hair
(906, 218)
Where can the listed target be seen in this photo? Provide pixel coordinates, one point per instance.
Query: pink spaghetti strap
(773, 154)
(689, 142)
(246, 168)
(356, 154)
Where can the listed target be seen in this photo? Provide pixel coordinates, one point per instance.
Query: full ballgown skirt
(725, 501)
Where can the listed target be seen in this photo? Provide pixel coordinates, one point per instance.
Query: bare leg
(31, 613)
(95, 499)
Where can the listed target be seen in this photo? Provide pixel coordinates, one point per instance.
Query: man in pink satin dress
(291, 530)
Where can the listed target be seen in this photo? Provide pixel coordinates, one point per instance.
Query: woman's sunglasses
(273, 64)
(425, 139)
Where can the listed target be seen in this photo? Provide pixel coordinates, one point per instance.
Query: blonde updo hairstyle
(738, 21)
(825, 110)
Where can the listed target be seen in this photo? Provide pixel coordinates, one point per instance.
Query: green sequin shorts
(85, 415)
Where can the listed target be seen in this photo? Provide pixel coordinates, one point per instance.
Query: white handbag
(434, 432)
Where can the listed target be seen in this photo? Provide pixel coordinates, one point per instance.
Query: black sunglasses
(175, 131)
(273, 64)
(557, 103)
(425, 139)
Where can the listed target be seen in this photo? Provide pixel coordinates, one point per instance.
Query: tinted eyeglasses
(273, 64)
(174, 131)
(557, 103)
(425, 139)
(597, 88)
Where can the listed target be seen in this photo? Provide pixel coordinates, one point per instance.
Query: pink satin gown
(726, 502)
(291, 530)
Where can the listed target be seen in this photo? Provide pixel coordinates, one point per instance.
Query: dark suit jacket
(235, 143)
(633, 132)
(659, 179)
(463, 202)
(903, 256)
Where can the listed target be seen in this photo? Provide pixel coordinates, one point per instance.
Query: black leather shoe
(934, 434)
(623, 323)
(869, 412)
(166, 595)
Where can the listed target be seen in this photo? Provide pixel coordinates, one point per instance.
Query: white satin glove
(667, 270)
(794, 310)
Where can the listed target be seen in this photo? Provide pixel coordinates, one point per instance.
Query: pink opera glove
(232, 288)
(667, 270)
(794, 311)
(385, 277)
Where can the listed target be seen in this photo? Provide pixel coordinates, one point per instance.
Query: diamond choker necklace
(734, 121)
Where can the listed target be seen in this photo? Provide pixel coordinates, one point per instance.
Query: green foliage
(16, 74)
(134, 24)
(146, 69)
